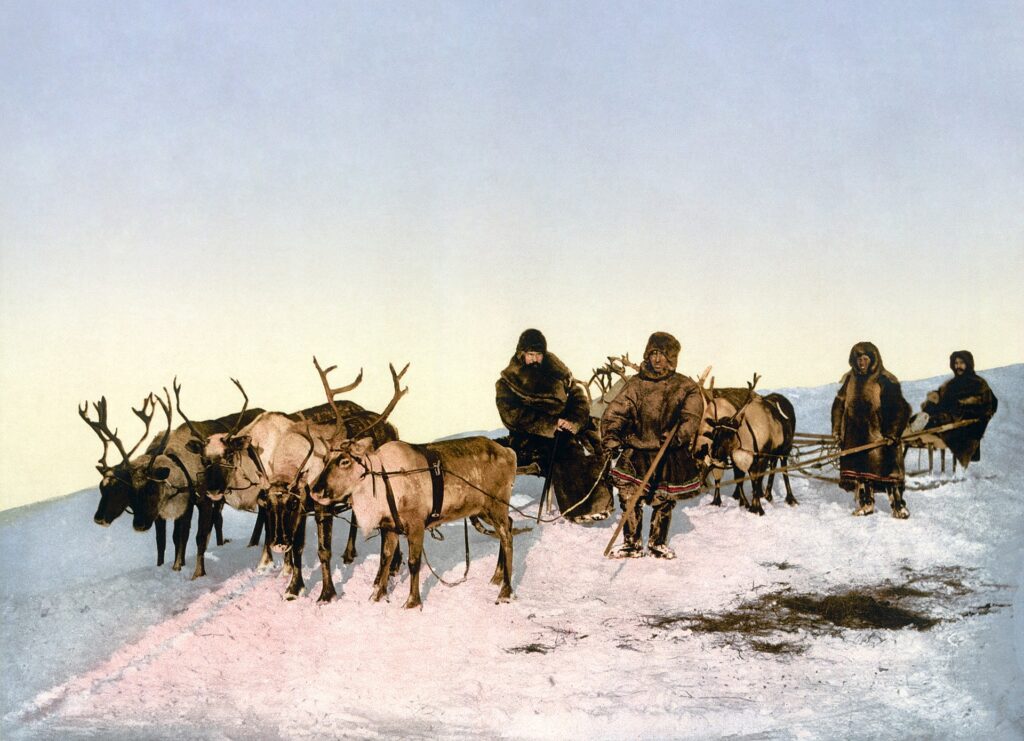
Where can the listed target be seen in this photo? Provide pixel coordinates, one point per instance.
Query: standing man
(965, 396)
(636, 423)
(538, 399)
(870, 408)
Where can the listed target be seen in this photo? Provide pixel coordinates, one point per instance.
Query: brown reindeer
(392, 488)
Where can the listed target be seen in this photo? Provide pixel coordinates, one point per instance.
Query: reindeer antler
(98, 427)
(750, 389)
(241, 414)
(399, 393)
(103, 430)
(192, 428)
(302, 466)
(332, 392)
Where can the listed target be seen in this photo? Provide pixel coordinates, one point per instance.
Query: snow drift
(99, 642)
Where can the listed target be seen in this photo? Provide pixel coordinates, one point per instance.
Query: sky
(224, 191)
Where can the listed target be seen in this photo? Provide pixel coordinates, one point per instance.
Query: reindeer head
(345, 463)
(288, 485)
(121, 483)
(218, 453)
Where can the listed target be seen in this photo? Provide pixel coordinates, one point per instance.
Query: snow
(100, 643)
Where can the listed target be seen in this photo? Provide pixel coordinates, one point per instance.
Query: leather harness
(436, 486)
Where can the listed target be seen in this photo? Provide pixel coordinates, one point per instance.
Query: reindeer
(173, 487)
(121, 483)
(243, 466)
(757, 437)
(392, 488)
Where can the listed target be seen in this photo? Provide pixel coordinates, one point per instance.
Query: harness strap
(389, 495)
(436, 482)
(193, 492)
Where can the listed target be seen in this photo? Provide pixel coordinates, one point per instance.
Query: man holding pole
(652, 423)
(544, 409)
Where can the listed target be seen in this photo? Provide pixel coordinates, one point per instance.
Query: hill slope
(723, 641)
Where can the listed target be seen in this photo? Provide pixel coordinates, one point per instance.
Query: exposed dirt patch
(774, 621)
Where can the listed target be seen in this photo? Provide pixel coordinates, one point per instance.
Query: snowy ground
(98, 642)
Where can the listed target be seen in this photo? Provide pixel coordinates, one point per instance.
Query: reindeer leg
(350, 547)
(298, 544)
(161, 540)
(324, 533)
(770, 485)
(499, 567)
(206, 518)
(388, 546)
(738, 491)
(717, 476)
(257, 529)
(790, 499)
(218, 522)
(415, 539)
(182, 526)
(396, 559)
(505, 558)
(757, 484)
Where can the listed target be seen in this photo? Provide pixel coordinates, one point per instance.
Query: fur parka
(531, 399)
(647, 408)
(869, 408)
(962, 397)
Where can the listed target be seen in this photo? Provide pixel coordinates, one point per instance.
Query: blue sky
(213, 190)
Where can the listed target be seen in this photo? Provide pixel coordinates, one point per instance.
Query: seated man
(537, 397)
(965, 396)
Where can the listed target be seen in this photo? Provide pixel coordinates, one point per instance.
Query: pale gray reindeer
(405, 489)
(756, 438)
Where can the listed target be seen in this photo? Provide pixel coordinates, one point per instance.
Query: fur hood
(875, 370)
(964, 355)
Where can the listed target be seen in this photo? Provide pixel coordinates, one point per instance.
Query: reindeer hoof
(176, 567)
(867, 509)
(347, 558)
(327, 595)
(901, 514)
(716, 502)
(198, 574)
(791, 501)
(412, 603)
(504, 597)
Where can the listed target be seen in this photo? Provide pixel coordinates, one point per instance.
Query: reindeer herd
(339, 456)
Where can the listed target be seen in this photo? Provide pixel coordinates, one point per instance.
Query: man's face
(863, 362)
(658, 361)
(959, 366)
(533, 358)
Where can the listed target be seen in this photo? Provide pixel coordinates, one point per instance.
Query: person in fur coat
(537, 398)
(965, 396)
(870, 408)
(636, 423)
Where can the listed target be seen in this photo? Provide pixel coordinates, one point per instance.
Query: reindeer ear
(362, 446)
(238, 443)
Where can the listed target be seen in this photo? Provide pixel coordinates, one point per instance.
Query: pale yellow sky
(222, 192)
